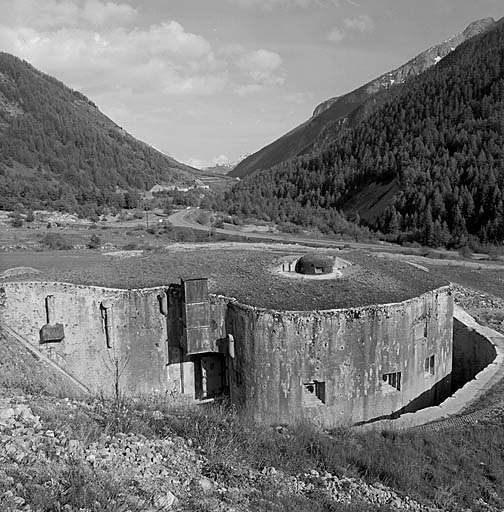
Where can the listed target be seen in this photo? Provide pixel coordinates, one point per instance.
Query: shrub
(17, 221)
(465, 252)
(55, 241)
(289, 227)
(94, 242)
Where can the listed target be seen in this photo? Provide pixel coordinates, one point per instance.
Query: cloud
(261, 67)
(163, 56)
(66, 13)
(336, 35)
(268, 5)
(299, 98)
(199, 163)
(362, 24)
(94, 46)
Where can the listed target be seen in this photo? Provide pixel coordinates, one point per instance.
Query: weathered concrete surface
(127, 337)
(350, 350)
(137, 355)
(471, 350)
(472, 338)
(328, 366)
(73, 383)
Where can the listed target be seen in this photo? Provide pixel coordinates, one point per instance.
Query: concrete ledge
(464, 396)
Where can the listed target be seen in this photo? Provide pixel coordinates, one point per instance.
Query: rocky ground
(41, 469)
(487, 309)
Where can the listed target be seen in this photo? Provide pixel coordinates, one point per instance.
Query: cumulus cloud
(363, 23)
(336, 35)
(262, 67)
(94, 46)
(199, 163)
(164, 56)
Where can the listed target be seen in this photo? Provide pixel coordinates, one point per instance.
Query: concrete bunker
(334, 366)
(314, 263)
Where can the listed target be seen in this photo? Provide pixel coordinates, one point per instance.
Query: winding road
(183, 219)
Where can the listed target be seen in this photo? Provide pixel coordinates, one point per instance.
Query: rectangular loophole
(393, 379)
(429, 365)
(314, 392)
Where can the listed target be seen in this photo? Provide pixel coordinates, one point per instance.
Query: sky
(207, 81)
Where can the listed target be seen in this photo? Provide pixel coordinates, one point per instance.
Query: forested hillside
(338, 111)
(429, 161)
(59, 151)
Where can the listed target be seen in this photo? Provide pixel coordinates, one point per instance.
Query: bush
(94, 242)
(55, 241)
(17, 221)
(289, 227)
(465, 252)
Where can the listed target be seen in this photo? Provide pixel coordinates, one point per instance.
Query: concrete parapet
(484, 341)
(334, 366)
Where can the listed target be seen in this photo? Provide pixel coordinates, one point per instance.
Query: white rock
(205, 484)
(6, 414)
(165, 501)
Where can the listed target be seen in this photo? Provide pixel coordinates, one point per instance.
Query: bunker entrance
(210, 376)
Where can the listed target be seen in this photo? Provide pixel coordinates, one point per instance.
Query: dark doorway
(210, 375)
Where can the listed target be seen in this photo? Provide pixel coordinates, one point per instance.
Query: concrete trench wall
(472, 352)
(276, 354)
(349, 351)
(476, 349)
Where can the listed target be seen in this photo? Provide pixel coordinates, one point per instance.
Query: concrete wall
(137, 335)
(472, 352)
(278, 356)
(469, 338)
(137, 345)
(349, 350)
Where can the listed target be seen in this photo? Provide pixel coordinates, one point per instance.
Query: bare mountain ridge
(418, 64)
(335, 110)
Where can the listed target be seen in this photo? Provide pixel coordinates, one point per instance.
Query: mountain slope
(58, 150)
(335, 110)
(429, 160)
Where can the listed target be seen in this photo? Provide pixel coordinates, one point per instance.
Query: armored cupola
(314, 263)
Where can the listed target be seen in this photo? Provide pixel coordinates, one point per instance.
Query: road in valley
(183, 219)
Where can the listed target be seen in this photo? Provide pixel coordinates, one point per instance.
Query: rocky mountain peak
(418, 64)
